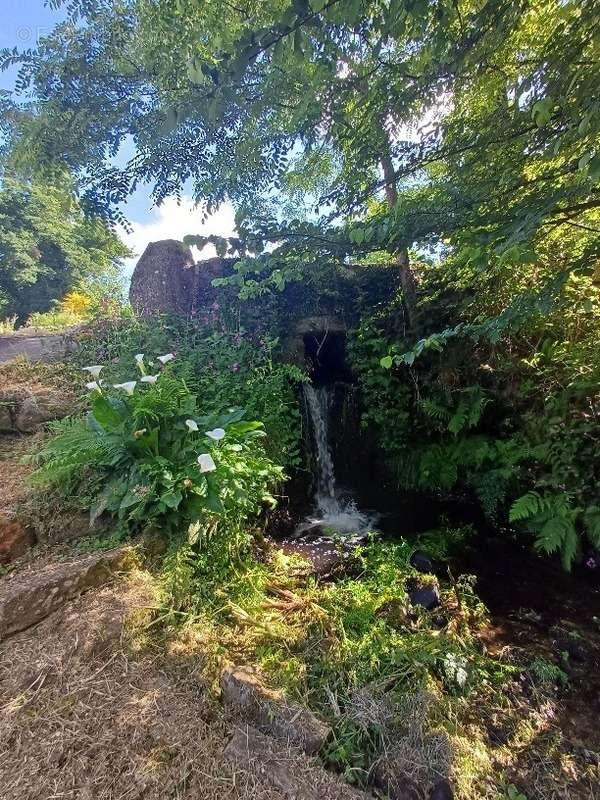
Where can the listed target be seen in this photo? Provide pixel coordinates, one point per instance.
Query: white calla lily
(139, 359)
(206, 462)
(94, 370)
(93, 386)
(149, 378)
(192, 424)
(216, 434)
(127, 387)
(166, 358)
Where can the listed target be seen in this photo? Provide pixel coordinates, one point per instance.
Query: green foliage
(544, 672)
(149, 455)
(557, 523)
(48, 247)
(217, 358)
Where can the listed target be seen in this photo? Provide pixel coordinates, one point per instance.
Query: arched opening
(325, 353)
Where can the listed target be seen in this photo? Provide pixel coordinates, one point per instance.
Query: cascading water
(318, 405)
(331, 511)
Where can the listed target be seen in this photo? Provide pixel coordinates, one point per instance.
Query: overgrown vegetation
(425, 171)
(150, 455)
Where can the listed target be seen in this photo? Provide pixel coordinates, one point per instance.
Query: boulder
(39, 346)
(29, 597)
(163, 279)
(27, 410)
(16, 538)
(295, 725)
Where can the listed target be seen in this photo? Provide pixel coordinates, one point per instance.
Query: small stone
(442, 791)
(425, 595)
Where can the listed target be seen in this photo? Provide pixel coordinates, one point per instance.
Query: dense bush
(220, 361)
(152, 454)
(503, 405)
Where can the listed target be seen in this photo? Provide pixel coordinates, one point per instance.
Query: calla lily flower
(206, 462)
(127, 387)
(139, 359)
(93, 386)
(94, 371)
(216, 434)
(149, 378)
(166, 358)
(192, 424)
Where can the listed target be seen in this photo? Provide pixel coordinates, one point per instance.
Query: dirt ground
(88, 709)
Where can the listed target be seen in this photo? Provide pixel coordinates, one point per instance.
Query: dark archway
(325, 352)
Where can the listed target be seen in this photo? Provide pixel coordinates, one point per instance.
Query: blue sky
(21, 23)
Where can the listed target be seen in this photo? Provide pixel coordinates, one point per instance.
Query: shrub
(148, 454)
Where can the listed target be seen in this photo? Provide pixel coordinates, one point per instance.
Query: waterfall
(318, 403)
(331, 510)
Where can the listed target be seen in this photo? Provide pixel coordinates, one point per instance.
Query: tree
(228, 94)
(48, 246)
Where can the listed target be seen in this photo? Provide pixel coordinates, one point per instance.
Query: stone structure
(166, 280)
(163, 279)
(32, 595)
(292, 724)
(26, 410)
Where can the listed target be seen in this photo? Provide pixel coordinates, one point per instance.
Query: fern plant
(558, 523)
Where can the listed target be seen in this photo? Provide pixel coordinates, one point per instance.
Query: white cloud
(173, 220)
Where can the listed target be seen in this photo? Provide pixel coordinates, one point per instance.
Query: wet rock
(31, 596)
(426, 595)
(442, 791)
(422, 562)
(16, 538)
(244, 693)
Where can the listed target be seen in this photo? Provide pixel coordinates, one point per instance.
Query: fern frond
(527, 506)
(592, 524)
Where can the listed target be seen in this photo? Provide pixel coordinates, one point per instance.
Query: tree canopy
(48, 246)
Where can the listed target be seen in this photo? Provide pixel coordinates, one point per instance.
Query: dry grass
(89, 708)
(14, 471)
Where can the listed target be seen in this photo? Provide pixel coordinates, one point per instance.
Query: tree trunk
(407, 276)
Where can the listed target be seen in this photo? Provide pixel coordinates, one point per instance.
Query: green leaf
(542, 111)
(172, 499)
(106, 413)
(386, 362)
